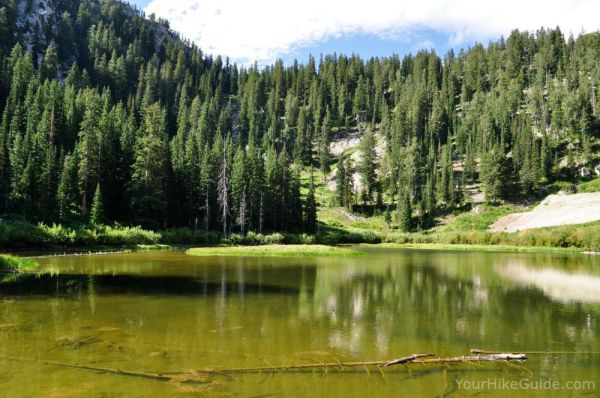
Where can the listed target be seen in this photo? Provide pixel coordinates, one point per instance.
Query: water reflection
(557, 284)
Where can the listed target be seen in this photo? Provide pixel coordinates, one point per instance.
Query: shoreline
(285, 250)
(485, 248)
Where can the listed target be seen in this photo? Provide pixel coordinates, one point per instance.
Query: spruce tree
(88, 148)
(368, 164)
(147, 188)
(48, 68)
(324, 155)
(492, 174)
(310, 209)
(340, 181)
(404, 212)
(97, 211)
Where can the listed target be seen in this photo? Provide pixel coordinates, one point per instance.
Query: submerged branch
(405, 359)
(408, 360)
(485, 352)
(179, 377)
(476, 358)
(193, 376)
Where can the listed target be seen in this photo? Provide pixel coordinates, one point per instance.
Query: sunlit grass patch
(275, 251)
(14, 263)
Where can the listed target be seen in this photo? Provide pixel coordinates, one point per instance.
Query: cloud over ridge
(262, 30)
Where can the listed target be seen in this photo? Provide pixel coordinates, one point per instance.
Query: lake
(165, 312)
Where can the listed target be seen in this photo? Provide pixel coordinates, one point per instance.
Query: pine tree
(387, 215)
(67, 187)
(368, 165)
(310, 209)
(469, 164)
(149, 170)
(206, 187)
(88, 148)
(444, 185)
(324, 155)
(492, 174)
(404, 212)
(48, 68)
(341, 181)
(97, 211)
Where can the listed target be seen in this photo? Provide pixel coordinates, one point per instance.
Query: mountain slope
(108, 116)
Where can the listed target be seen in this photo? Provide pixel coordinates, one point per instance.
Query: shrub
(273, 239)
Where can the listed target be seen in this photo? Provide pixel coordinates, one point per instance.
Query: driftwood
(321, 365)
(484, 352)
(408, 360)
(81, 254)
(477, 358)
(193, 376)
(403, 360)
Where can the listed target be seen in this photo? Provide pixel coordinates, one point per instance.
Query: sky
(262, 31)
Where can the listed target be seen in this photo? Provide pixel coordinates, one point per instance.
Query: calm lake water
(167, 312)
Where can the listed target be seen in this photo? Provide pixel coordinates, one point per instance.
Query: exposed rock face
(38, 25)
(34, 19)
(350, 142)
(553, 211)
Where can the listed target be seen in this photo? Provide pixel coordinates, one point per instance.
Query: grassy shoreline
(474, 247)
(23, 236)
(14, 264)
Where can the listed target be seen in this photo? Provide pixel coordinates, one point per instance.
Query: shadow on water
(70, 285)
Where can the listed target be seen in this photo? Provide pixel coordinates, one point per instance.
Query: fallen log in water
(82, 254)
(400, 361)
(476, 358)
(484, 352)
(408, 360)
(193, 376)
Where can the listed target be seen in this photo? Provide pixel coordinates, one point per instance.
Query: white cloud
(262, 30)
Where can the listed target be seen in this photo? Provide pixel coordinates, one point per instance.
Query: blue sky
(264, 30)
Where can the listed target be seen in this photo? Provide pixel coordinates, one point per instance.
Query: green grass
(275, 251)
(15, 264)
(589, 186)
(481, 220)
(579, 237)
(470, 247)
(20, 234)
(337, 226)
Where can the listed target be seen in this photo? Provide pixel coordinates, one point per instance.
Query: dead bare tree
(207, 210)
(242, 212)
(223, 185)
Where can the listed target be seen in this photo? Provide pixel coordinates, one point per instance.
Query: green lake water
(168, 312)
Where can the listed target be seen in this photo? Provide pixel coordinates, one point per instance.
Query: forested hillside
(109, 116)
